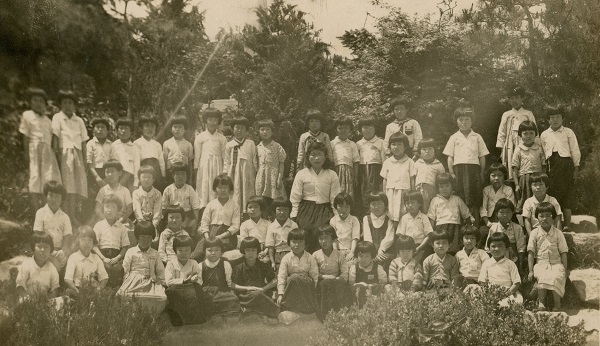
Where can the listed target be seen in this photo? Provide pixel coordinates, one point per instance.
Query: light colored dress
(71, 133)
(508, 133)
(43, 166)
(242, 170)
(209, 151)
(547, 248)
(270, 158)
(398, 174)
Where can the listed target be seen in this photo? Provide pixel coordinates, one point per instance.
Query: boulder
(587, 284)
(583, 224)
(8, 264)
(589, 317)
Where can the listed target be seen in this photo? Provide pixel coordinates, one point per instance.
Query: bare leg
(542, 298)
(567, 217)
(556, 299)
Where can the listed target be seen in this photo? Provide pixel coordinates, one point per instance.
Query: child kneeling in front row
(216, 278)
(83, 266)
(37, 275)
(406, 273)
(501, 271)
(470, 258)
(440, 269)
(366, 276)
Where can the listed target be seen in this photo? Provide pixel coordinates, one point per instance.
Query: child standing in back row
(98, 152)
(271, 160)
(314, 118)
(177, 148)
(372, 155)
(466, 153)
(405, 125)
(127, 153)
(151, 152)
(345, 156)
(528, 158)
(427, 168)
(241, 162)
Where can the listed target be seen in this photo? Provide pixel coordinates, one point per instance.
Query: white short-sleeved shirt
(502, 273)
(71, 132)
(426, 173)
(344, 152)
(98, 153)
(547, 246)
(563, 141)
(448, 211)
(177, 151)
(38, 128)
(128, 154)
(371, 151)
(151, 149)
(258, 230)
(176, 273)
(528, 159)
(186, 197)
(81, 269)
(490, 197)
(409, 127)
(398, 172)
(417, 227)
(58, 224)
(470, 265)
(532, 202)
(277, 235)
(466, 150)
(120, 191)
(113, 236)
(34, 278)
(346, 230)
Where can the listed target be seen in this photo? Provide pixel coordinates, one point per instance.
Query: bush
(95, 318)
(391, 319)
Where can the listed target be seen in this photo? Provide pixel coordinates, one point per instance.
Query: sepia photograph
(299, 172)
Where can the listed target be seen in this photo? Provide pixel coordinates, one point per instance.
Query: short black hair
(144, 228)
(125, 121)
(539, 177)
(503, 203)
(400, 101)
(343, 198)
(179, 120)
(498, 236)
(545, 207)
(42, 237)
(281, 202)
(378, 196)
(212, 113)
(256, 200)
(344, 120)
(112, 163)
(179, 167)
(497, 166)
(317, 146)
(527, 125)
(182, 240)
(554, 109)
(100, 120)
(444, 178)
(404, 242)
(296, 234)
(55, 187)
(112, 198)
(222, 179)
(249, 243)
(326, 230)
(426, 143)
(174, 209)
(265, 123)
(147, 169)
(414, 195)
(87, 232)
(368, 121)
(464, 111)
(400, 137)
(440, 235)
(364, 246)
(147, 119)
(239, 120)
(213, 242)
(314, 114)
(66, 94)
(470, 230)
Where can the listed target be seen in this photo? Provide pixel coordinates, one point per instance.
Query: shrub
(392, 319)
(94, 318)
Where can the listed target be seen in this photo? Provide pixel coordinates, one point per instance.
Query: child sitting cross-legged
(441, 268)
(470, 258)
(500, 270)
(255, 280)
(36, 274)
(256, 226)
(175, 217)
(278, 231)
(366, 276)
(83, 266)
(406, 273)
(516, 252)
(416, 225)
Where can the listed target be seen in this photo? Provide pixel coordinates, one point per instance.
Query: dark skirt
(560, 172)
(158, 178)
(332, 294)
(188, 304)
(259, 303)
(311, 216)
(370, 180)
(525, 191)
(222, 302)
(116, 271)
(361, 292)
(454, 232)
(299, 295)
(347, 180)
(468, 184)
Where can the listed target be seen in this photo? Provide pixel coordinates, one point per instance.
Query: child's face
(427, 154)
(213, 253)
(397, 148)
(316, 159)
(265, 133)
(38, 104)
(112, 175)
(144, 241)
(445, 190)
(178, 130)
(111, 212)
(368, 131)
(365, 259)
(555, 121)
(100, 131)
(545, 219)
(314, 125)
(254, 210)
(405, 255)
(183, 253)
(223, 191)
(343, 210)
(148, 130)
(179, 178)
(504, 215)
(297, 246)
(326, 242)
(124, 133)
(464, 123)
(146, 180)
(469, 242)
(282, 213)
(251, 254)
(343, 131)
(174, 221)
(497, 249)
(67, 106)
(400, 112)
(54, 200)
(516, 101)
(86, 244)
(497, 179)
(41, 252)
(538, 189)
(239, 132)
(212, 124)
(441, 246)
(413, 206)
(528, 137)
(377, 208)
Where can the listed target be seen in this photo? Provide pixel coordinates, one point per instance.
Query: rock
(12, 237)
(584, 249)
(583, 224)
(587, 284)
(8, 264)
(589, 317)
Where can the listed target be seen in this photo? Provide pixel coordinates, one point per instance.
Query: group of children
(236, 240)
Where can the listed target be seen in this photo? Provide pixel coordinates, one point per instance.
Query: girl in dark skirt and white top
(313, 192)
